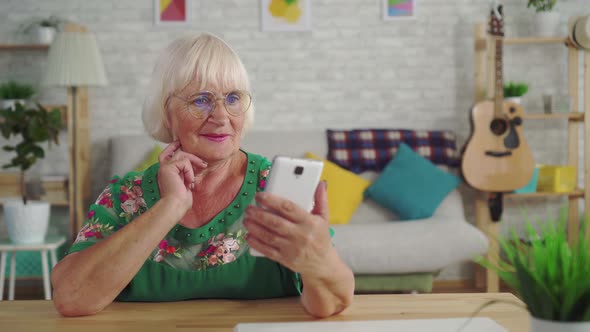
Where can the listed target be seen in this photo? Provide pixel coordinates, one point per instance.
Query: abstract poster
(286, 15)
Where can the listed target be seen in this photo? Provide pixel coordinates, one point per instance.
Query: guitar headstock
(496, 23)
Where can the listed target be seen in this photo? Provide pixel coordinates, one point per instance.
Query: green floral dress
(211, 261)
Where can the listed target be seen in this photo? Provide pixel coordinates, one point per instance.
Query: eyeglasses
(203, 103)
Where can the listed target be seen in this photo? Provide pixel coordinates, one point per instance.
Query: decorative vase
(11, 103)
(547, 24)
(548, 103)
(542, 325)
(517, 100)
(26, 224)
(44, 35)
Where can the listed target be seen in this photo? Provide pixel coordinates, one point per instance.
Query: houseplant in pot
(13, 92)
(513, 91)
(26, 219)
(546, 20)
(43, 30)
(551, 276)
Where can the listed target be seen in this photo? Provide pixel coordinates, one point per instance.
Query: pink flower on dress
(106, 201)
(96, 234)
(137, 191)
(264, 173)
(123, 197)
(228, 258)
(91, 214)
(165, 249)
(231, 244)
(220, 250)
(262, 184)
(160, 256)
(130, 206)
(137, 181)
(93, 230)
(105, 198)
(131, 197)
(212, 260)
(216, 241)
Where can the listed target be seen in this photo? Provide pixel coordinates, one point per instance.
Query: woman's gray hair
(203, 58)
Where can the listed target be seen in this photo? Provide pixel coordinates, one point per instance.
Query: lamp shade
(74, 60)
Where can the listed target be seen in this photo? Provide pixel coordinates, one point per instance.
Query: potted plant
(27, 220)
(43, 30)
(513, 91)
(13, 92)
(546, 20)
(550, 275)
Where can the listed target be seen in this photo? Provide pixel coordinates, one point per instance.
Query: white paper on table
(478, 324)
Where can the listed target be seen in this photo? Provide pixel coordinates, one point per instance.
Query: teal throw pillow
(411, 186)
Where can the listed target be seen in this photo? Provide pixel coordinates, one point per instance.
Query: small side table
(6, 246)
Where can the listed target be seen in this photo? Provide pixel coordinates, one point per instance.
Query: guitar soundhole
(499, 126)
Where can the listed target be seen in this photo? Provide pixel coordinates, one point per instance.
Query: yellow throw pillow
(150, 159)
(345, 190)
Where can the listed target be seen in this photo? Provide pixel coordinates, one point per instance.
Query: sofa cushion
(293, 143)
(426, 245)
(411, 186)
(127, 151)
(345, 190)
(150, 159)
(360, 150)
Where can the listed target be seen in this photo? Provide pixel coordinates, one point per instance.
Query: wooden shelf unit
(571, 116)
(49, 107)
(79, 151)
(535, 40)
(577, 193)
(59, 203)
(484, 89)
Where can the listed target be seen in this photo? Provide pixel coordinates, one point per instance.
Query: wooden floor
(32, 289)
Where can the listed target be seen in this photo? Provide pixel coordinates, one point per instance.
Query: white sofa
(386, 254)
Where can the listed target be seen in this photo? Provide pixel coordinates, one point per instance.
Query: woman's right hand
(176, 177)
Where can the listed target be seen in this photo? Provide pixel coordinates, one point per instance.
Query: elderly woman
(182, 228)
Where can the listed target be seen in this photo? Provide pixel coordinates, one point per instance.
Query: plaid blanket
(362, 150)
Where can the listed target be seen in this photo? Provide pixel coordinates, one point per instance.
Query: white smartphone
(295, 179)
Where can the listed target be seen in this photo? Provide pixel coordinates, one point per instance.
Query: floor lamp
(74, 62)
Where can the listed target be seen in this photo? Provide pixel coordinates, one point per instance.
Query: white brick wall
(352, 70)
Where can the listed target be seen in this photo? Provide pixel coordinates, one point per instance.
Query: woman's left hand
(289, 235)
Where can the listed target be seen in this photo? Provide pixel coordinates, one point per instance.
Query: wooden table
(223, 315)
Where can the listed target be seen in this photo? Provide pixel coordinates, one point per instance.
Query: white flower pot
(541, 325)
(26, 224)
(44, 35)
(517, 100)
(11, 103)
(547, 24)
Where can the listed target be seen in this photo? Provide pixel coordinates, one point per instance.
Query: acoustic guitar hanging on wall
(496, 157)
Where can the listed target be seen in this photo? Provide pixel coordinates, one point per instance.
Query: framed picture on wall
(171, 12)
(399, 9)
(285, 15)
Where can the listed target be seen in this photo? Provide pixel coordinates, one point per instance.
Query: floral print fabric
(123, 200)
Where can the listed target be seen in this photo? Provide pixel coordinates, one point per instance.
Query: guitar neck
(499, 91)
